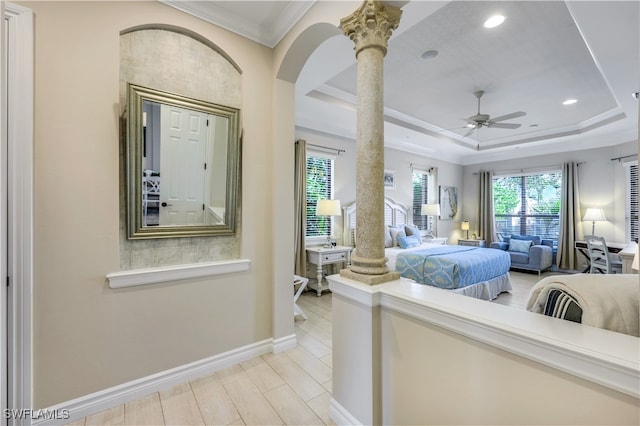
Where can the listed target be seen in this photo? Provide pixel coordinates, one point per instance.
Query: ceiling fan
(484, 120)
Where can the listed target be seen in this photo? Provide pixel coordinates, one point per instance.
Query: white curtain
(570, 230)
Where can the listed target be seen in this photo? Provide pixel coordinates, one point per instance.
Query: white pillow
(413, 230)
(396, 231)
(388, 241)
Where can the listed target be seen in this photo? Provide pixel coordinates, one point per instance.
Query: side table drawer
(334, 257)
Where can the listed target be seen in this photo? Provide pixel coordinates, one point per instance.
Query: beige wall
(433, 376)
(88, 337)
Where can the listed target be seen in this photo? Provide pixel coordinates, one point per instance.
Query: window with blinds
(631, 211)
(528, 204)
(319, 187)
(422, 194)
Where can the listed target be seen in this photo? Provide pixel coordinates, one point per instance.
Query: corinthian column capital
(371, 25)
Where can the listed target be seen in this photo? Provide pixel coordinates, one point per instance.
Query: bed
(472, 271)
(610, 302)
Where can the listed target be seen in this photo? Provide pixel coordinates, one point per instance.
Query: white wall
(400, 161)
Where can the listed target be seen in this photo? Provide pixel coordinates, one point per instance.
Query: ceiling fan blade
(508, 116)
(505, 125)
(473, 129)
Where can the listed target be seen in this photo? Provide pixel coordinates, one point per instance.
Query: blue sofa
(528, 252)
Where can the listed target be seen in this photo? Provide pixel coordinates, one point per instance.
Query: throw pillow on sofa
(520, 246)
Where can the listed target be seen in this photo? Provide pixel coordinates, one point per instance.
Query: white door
(183, 143)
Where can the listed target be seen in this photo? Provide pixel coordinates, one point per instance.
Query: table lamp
(465, 227)
(594, 215)
(328, 208)
(431, 210)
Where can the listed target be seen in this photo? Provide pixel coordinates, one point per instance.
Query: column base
(370, 279)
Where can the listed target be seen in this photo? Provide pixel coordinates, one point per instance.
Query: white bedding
(393, 252)
(611, 301)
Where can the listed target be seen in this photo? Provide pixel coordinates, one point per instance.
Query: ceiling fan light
(494, 21)
(570, 102)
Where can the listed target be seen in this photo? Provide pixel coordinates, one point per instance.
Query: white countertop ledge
(162, 274)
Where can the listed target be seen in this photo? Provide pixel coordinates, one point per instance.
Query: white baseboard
(135, 389)
(340, 415)
(284, 343)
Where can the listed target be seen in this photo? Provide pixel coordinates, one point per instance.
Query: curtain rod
(419, 167)
(623, 157)
(528, 170)
(327, 148)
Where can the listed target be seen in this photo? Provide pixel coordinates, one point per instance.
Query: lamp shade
(328, 208)
(464, 225)
(430, 210)
(594, 215)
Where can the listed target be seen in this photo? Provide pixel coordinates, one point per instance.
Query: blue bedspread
(452, 267)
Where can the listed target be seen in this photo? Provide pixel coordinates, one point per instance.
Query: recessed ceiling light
(494, 21)
(429, 54)
(570, 102)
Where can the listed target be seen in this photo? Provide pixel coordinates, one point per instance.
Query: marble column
(370, 28)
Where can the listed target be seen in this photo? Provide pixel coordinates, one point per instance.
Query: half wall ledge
(162, 274)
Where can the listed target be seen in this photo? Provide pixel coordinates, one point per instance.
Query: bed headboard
(394, 214)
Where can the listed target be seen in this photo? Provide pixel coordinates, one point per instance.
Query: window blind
(631, 208)
(528, 204)
(319, 187)
(422, 194)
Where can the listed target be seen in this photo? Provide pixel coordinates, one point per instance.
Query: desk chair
(150, 194)
(301, 282)
(599, 257)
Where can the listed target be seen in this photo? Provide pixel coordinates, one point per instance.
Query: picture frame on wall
(389, 179)
(448, 202)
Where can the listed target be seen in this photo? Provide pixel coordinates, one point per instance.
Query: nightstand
(435, 240)
(321, 256)
(475, 243)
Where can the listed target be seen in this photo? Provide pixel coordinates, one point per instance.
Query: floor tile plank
(299, 380)
(179, 406)
(291, 408)
(247, 398)
(113, 416)
(215, 404)
(144, 411)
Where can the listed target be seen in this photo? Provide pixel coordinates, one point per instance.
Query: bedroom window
(319, 187)
(631, 208)
(422, 194)
(528, 204)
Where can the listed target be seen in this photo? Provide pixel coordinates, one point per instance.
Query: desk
(627, 255)
(321, 256)
(435, 240)
(581, 246)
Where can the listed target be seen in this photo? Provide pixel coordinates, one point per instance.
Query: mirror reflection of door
(175, 154)
(184, 136)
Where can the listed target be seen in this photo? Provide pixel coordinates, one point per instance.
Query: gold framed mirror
(183, 165)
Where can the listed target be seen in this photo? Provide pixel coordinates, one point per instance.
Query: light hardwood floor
(289, 388)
